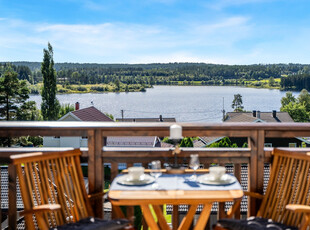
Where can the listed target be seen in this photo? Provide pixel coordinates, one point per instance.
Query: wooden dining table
(174, 190)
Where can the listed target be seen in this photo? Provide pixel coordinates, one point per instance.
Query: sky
(156, 31)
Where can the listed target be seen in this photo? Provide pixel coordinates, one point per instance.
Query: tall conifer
(50, 105)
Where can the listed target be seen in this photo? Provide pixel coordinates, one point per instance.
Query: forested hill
(277, 68)
(160, 74)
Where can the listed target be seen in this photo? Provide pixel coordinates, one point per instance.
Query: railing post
(256, 168)
(260, 164)
(12, 197)
(95, 169)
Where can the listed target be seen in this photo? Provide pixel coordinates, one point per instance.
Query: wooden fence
(255, 156)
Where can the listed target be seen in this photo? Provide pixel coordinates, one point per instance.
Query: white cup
(216, 172)
(135, 173)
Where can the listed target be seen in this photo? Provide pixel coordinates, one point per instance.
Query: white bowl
(216, 172)
(135, 173)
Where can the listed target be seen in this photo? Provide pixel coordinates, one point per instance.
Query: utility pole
(122, 111)
(223, 111)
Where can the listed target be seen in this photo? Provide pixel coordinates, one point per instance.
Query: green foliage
(296, 82)
(81, 88)
(225, 142)
(50, 105)
(117, 84)
(187, 142)
(64, 109)
(298, 109)
(28, 112)
(271, 81)
(13, 94)
(245, 145)
(237, 103)
(167, 140)
(110, 115)
(30, 141)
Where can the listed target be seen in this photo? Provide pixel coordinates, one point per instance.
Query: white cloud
(228, 41)
(221, 4)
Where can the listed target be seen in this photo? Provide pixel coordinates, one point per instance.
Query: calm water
(185, 103)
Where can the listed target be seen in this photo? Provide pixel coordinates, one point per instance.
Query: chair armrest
(41, 208)
(94, 196)
(253, 194)
(298, 208)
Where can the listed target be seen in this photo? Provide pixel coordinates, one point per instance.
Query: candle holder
(176, 137)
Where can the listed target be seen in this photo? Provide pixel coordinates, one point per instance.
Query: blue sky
(148, 31)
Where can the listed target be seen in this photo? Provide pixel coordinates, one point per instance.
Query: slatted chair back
(289, 183)
(52, 178)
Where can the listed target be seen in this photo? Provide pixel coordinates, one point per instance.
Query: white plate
(208, 179)
(127, 180)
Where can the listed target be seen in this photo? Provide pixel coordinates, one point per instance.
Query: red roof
(91, 114)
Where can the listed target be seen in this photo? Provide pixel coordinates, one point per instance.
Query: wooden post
(175, 217)
(221, 205)
(260, 164)
(237, 168)
(12, 197)
(252, 173)
(256, 168)
(95, 169)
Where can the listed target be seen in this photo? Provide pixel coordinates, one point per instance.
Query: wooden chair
(287, 198)
(53, 190)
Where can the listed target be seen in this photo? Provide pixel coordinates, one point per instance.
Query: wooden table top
(172, 197)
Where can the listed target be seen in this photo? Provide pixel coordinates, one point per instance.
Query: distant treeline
(296, 82)
(158, 74)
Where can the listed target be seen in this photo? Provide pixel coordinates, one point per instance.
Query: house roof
(209, 140)
(263, 117)
(159, 119)
(88, 114)
(166, 145)
(138, 141)
(198, 144)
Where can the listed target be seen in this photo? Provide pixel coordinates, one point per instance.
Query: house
(93, 114)
(257, 116)
(266, 117)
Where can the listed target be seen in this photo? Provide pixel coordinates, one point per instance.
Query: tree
(28, 112)
(187, 142)
(287, 99)
(304, 98)
(13, 94)
(237, 103)
(298, 109)
(271, 81)
(50, 105)
(117, 84)
(64, 109)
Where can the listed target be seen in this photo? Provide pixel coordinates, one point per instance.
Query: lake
(185, 103)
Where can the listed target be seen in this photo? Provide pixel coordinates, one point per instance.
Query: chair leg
(305, 223)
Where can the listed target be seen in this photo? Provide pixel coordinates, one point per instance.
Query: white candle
(175, 132)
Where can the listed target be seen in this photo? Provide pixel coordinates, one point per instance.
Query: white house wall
(51, 142)
(75, 142)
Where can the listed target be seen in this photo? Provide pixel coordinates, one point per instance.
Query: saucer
(224, 180)
(127, 180)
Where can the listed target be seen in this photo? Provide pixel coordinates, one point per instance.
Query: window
(268, 144)
(292, 145)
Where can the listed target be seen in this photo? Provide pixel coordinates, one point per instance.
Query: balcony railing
(255, 156)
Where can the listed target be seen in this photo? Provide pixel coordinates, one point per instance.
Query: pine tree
(50, 105)
(237, 103)
(13, 94)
